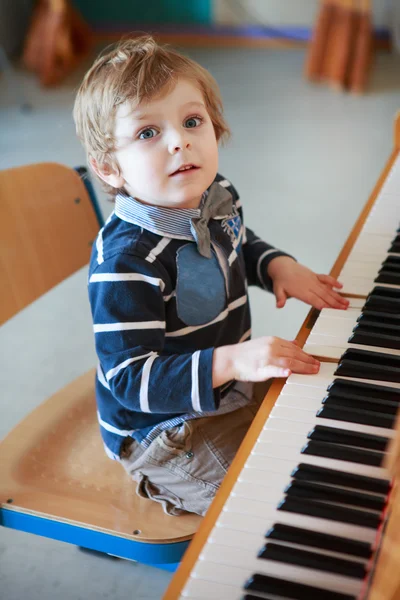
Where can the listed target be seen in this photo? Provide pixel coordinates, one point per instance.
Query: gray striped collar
(168, 222)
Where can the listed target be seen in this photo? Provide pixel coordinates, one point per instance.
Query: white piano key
(274, 436)
(358, 254)
(361, 286)
(266, 492)
(216, 571)
(289, 453)
(198, 589)
(372, 244)
(356, 268)
(310, 419)
(245, 522)
(276, 464)
(300, 391)
(336, 326)
(331, 332)
(297, 427)
(356, 302)
(313, 405)
(326, 375)
(274, 480)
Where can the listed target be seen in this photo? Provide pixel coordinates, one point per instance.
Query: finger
(280, 296)
(272, 371)
(318, 301)
(300, 366)
(330, 281)
(333, 299)
(293, 350)
(294, 353)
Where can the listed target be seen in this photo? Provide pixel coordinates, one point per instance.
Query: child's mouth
(185, 170)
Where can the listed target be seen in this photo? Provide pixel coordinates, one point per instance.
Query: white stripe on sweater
(112, 277)
(112, 429)
(186, 330)
(99, 246)
(112, 372)
(245, 336)
(108, 327)
(152, 256)
(195, 381)
(100, 377)
(167, 298)
(99, 241)
(263, 255)
(144, 385)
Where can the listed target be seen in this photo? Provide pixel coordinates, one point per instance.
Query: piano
(308, 508)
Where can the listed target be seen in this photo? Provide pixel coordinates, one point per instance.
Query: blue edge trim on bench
(164, 556)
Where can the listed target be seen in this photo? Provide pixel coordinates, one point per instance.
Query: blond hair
(135, 70)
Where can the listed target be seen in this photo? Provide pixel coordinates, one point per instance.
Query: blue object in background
(136, 11)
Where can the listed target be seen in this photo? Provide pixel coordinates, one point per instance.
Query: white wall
(288, 12)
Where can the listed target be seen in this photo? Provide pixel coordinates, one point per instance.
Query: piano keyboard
(312, 486)
(375, 257)
(375, 327)
(305, 514)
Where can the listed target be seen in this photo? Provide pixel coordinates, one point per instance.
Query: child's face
(157, 138)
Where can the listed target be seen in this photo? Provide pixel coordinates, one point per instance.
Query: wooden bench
(55, 479)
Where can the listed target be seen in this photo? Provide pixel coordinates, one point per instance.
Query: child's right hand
(263, 358)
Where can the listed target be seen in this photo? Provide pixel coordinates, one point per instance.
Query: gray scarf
(217, 204)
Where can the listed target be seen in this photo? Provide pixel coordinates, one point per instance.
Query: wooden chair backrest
(47, 227)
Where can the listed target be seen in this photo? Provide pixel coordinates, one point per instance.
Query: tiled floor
(304, 160)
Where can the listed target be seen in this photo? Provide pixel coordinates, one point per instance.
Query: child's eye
(147, 134)
(193, 122)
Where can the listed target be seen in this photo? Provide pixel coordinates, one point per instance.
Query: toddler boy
(168, 278)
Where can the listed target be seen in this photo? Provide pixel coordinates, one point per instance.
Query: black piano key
(321, 433)
(327, 493)
(346, 453)
(392, 260)
(379, 290)
(312, 560)
(395, 246)
(322, 510)
(307, 472)
(383, 299)
(348, 388)
(386, 408)
(352, 415)
(388, 276)
(291, 589)
(375, 318)
(369, 365)
(390, 264)
(316, 539)
(367, 337)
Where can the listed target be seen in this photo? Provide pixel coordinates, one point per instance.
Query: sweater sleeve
(127, 297)
(257, 253)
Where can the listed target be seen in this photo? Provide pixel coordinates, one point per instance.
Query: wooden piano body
(384, 579)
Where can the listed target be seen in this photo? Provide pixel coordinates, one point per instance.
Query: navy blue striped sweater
(159, 309)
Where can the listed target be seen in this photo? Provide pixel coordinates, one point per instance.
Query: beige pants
(184, 466)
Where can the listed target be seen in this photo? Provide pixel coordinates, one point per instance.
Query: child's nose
(178, 142)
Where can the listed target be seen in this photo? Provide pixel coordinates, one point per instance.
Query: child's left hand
(292, 280)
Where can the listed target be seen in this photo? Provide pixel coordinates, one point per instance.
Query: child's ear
(107, 173)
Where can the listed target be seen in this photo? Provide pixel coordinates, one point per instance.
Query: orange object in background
(57, 40)
(341, 48)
